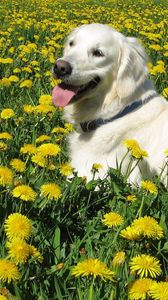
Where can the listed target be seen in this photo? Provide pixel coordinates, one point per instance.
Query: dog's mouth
(63, 94)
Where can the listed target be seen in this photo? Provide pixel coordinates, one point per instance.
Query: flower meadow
(61, 237)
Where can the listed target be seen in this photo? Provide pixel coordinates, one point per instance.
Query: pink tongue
(62, 94)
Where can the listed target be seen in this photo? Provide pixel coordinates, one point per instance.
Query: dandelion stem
(20, 208)
(128, 171)
(91, 291)
(112, 295)
(139, 213)
(120, 165)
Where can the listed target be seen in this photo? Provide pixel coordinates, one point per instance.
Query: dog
(106, 94)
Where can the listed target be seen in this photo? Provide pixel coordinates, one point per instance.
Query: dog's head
(95, 56)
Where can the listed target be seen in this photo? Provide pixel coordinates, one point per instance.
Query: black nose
(62, 68)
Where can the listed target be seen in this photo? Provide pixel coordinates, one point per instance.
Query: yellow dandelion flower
(5, 82)
(6, 176)
(139, 153)
(17, 70)
(34, 63)
(36, 37)
(59, 130)
(93, 267)
(7, 113)
(21, 38)
(97, 167)
(44, 109)
(2, 297)
(40, 160)
(149, 186)
(43, 138)
(159, 291)
(155, 47)
(51, 190)
(28, 109)
(37, 75)
(165, 92)
(118, 259)
(66, 169)
(159, 68)
(26, 84)
(166, 152)
(148, 227)
(18, 250)
(24, 192)
(7, 60)
(48, 149)
(35, 253)
(8, 271)
(28, 149)
(131, 198)
(45, 99)
(130, 144)
(130, 233)
(145, 265)
(3, 146)
(135, 149)
(27, 69)
(5, 136)
(51, 59)
(54, 81)
(18, 226)
(18, 165)
(139, 289)
(166, 46)
(112, 219)
(47, 73)
(13, 78)
(60, 266)
(69, 127)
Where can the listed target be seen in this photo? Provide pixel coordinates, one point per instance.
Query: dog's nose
(62, 68)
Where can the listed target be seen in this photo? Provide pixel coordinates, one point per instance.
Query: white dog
(108, 97)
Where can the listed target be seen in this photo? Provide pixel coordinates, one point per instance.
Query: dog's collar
(94, 124)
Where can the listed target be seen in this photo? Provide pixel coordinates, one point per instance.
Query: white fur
(123, 72)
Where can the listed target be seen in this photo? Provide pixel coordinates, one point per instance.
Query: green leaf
(17, 292)
(165, 247)
(112, 295)
(79, 293)
(163, 223)
(56, 244)
(116, 189)
(57, 287)
(91, 185)
(91, 292)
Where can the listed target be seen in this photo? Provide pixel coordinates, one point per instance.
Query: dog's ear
(132, 67)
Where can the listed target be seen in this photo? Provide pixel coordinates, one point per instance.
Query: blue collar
(92, 125)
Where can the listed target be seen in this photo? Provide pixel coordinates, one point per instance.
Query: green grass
(70, 230)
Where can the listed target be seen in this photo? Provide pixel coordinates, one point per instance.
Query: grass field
(68, 239)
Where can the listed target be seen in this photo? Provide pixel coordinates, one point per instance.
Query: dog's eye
(98, 53)
(71, 43)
